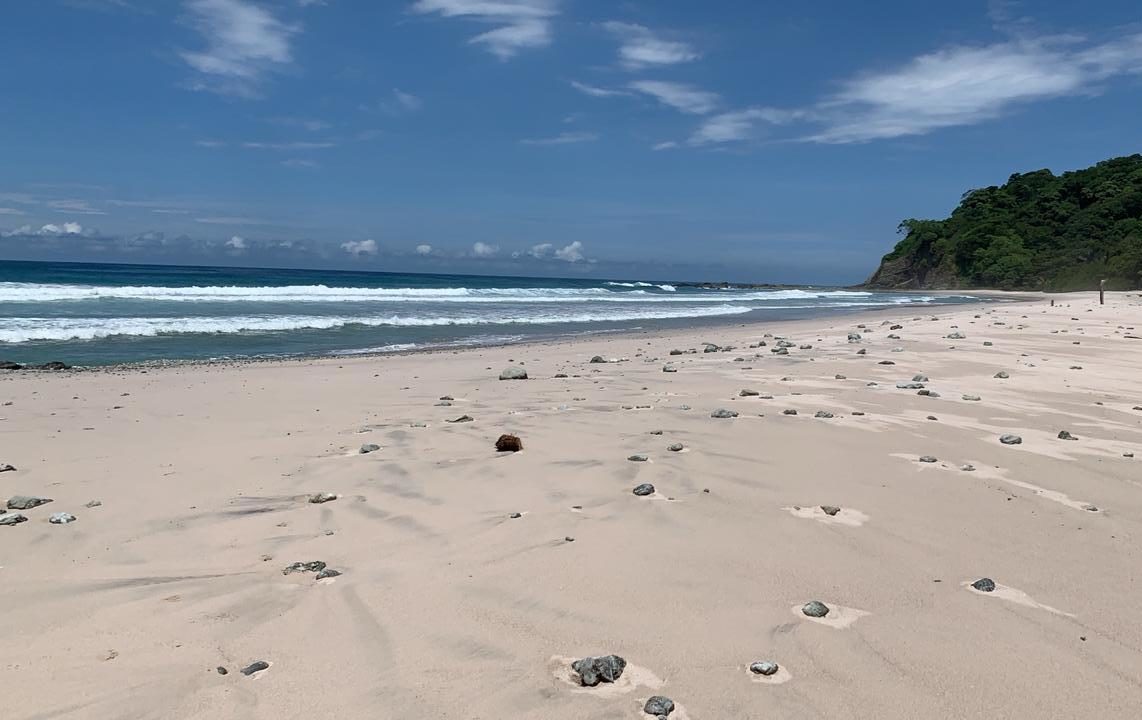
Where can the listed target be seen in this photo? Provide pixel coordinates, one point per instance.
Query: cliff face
(1038, 231)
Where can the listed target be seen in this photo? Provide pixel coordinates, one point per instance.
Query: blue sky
(767, 141)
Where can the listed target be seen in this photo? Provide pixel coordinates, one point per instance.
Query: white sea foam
(18, 330)
(42, 293)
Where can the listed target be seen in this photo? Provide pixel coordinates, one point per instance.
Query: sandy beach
(471, 579)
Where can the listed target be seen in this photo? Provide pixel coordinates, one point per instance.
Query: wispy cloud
(288, 145)
(741, 124)
(10, 211)
(398, 103)
(682, 97)
(566, 138)
(243, 42)
(640, 47)
(519, 24)
(225, 220)
(310, 124)
(595, 91)
(78, 207)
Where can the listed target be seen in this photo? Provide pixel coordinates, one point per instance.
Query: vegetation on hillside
(1039, 231)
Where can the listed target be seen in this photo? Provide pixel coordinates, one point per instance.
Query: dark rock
(824, 414)
(920, 378)
(221, 670)
(1002, 375)
(513, 373)
(560, 376)
(368, 448)
(987, 343)
(763, 668)
(886, 362)
(789, 412)
(327, 573)
(322, 497)
(311, 566)
(638, 458)
(928, 459)
(779, 351)
(655, 432)
(659, 706)
(9, 365)
(815, 609)
(594, 670)
(675, 447)
(854, 337)
(971, 398)
(748, 393)
(54, 365)
(984, 585)
(515, 516)
(838, 376)
(1064, 435)
(462, 419)
(644, 490)
(25, 502)
(509, 443)
(7, 468)
(11, 518)
(830, 510)
(1010, 439)
(255, 667)
(723, 414)
(676, 352)
(93, 504)
(862, 351)
(909, 386)
(956, 336)
(598, 359)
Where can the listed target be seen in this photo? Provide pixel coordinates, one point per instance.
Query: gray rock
(723, 414)
(669, 369)
(1064, 435)
(748, 393)
(886, 362)
(638, 458)
(790, 411)
(920, 378)
(909, 386)
(327, 573)
(815, 609)
(896, 327)
(447, 398)
(971, 398)
(780, 351)
(11, 518)
(644, 490)
(26, 502)
(854, 337)
(675, 352)
(984, 585)
(462, 419)
(311, 566)
(967, 467)
(255, 667)
(1009, 439)
(763, 668)
(824, 415)
(830, 510)
(928, 459)
(368, 448)
(61, 518)
(93, 504)
(862, 351)
(513, 373)
(443, 403)
(659, 706)
(956, 336)
(322, 497)
(987, 343)
(598, 359)
(1002, 375)
(674, 447)
(594, 670)
(805, 347)
(838, 376)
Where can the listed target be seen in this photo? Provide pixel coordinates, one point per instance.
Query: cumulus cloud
(572, 253)
(424, 249)
(680, 96)
(360, 248)
(237, 242)
(519, 24)
(640, 47)
(541, 251)
(49, 230)
(484, 250)
(243, 42)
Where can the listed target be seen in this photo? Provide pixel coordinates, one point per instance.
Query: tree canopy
(1039, 231)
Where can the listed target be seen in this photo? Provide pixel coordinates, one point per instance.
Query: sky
(741, 140)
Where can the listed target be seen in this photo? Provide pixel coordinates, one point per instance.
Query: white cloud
(541, 251)
(423, 249)
(668, 145)
(299, 163)
(483, 250)
(566, 138)
(10, 211)
(231, 221)
(79, 207)
(49, 230)
(572, 253)
(310, 124)
(236, 243)
(966, 85)
(598, 92)
(244, 41)
(740, 124)
(641, 47)
(288, 145)
(360, 248)
(520, 24)
(682, 97)
(408, 101)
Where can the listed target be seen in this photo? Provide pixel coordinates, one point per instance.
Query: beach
(471, 579)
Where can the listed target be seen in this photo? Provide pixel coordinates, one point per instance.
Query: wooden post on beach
(1101, 292)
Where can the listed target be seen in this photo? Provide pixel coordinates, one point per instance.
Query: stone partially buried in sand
(508, 443)
(26, 502)
(513, 373)
(322, 497)
(1009, 439)
(11, 518)
(764, 668)
(659, 706)
(594, 670)
(255, 667)
(644, 490)
(984, 585)
(830, 510)
(61, 518)
(723, 414)
(369, 448)
(815, 609)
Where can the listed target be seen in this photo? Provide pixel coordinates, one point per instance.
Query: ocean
(92, 314)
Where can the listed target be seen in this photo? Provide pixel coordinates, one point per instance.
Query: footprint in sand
(845, 516)
(633, 677)
(839, 616)
(1010, 594)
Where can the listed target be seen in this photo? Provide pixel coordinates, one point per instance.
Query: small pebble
(763, 668)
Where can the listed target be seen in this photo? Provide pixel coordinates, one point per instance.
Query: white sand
(449, 608)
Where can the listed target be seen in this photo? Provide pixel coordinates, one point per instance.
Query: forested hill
(1039, 231)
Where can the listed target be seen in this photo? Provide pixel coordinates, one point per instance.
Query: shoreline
(712, 322)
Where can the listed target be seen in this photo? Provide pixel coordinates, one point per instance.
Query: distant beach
(110, 314)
